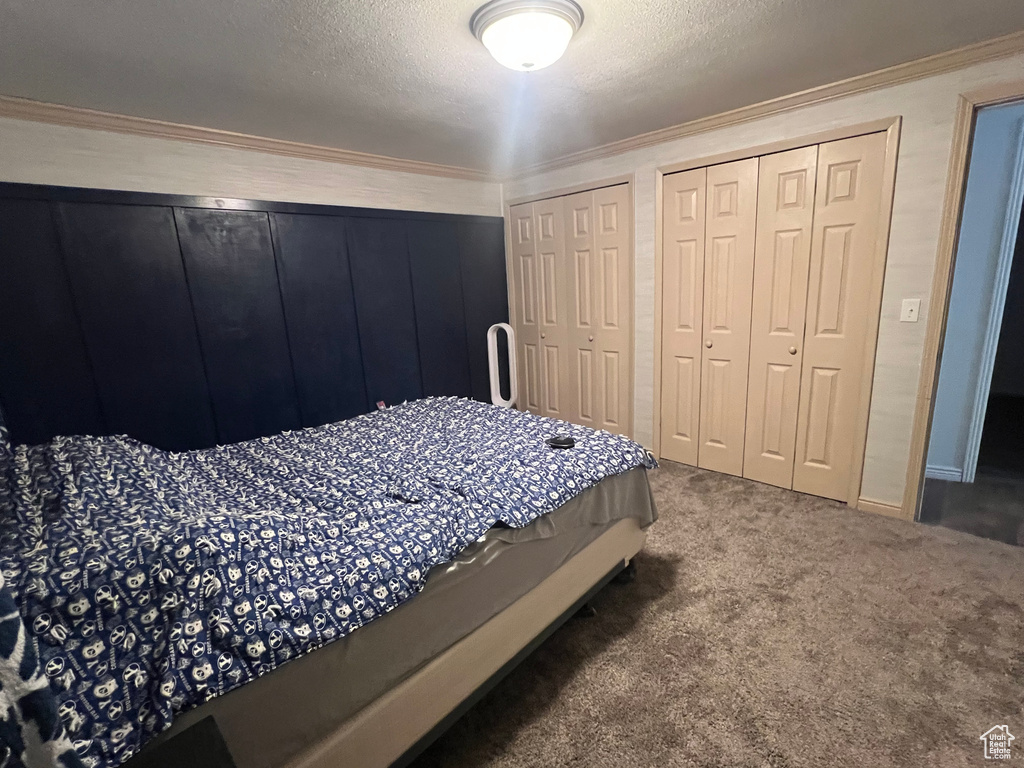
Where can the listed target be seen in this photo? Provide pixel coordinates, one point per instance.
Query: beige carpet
(768, 628)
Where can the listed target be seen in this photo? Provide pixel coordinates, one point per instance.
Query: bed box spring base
(450, 719)
(403, 722)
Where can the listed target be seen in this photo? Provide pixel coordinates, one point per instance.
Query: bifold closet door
(597, 230)
(731, 214)
(613, 292)
(538, 267)
(523, 266)
(843, 263)
(682, 312)
(552, 321)
(785, 213)
(582, 321)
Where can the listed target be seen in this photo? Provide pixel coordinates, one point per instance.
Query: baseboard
(881, 508)
(944, 473)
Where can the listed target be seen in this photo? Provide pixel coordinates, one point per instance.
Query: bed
(325, 592)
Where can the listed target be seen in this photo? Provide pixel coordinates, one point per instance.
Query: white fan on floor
(492, 361)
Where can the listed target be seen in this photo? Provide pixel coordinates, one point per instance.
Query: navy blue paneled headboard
(186, 322)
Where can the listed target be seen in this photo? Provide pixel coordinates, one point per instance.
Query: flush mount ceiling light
(527, 35)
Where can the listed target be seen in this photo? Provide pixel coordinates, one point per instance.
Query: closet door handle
(792, 350)
(590, 338)
(543, 335)
(708, 344)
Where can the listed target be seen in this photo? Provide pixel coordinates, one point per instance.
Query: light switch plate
(911, 309)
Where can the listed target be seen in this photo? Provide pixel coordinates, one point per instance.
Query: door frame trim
(891, 127)
(783, 145)
(630, 181)
(942, 280)
(572, 189)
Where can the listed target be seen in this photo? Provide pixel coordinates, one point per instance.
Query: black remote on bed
(560, 441)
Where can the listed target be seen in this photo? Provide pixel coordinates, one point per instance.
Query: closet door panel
(613, 302)
(585, 380)
(526, 313)
(440, 314)
(785, 215)
(843, 261)
(379, 258)
(731, 213)
(229, 260)
(316, 288)
(557, 400)
(598, 282)
(571, 269)
(682, 313)
(50, 389)
(129, 285)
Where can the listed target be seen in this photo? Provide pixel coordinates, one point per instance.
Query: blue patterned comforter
(155, 581)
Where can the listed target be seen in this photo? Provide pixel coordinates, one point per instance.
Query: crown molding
(77, 117)
(937, 64)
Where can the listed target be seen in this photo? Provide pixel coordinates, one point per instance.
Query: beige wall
(49, 154)
(928, 108)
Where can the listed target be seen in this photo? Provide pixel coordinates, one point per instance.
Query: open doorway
(974, 478)
(1002, 442)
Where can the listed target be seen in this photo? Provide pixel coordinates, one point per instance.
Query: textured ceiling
(406, 78)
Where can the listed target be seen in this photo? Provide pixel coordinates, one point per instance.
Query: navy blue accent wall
(436, 268)
(486, 300)
(237, 302)
(144, 347)
(385, 310)
(46, 379)
(316, 289)
(187, 322)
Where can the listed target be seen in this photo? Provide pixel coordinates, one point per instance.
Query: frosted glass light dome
(527, 35)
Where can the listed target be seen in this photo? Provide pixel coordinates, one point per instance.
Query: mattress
(156, 582)
(274, 718)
